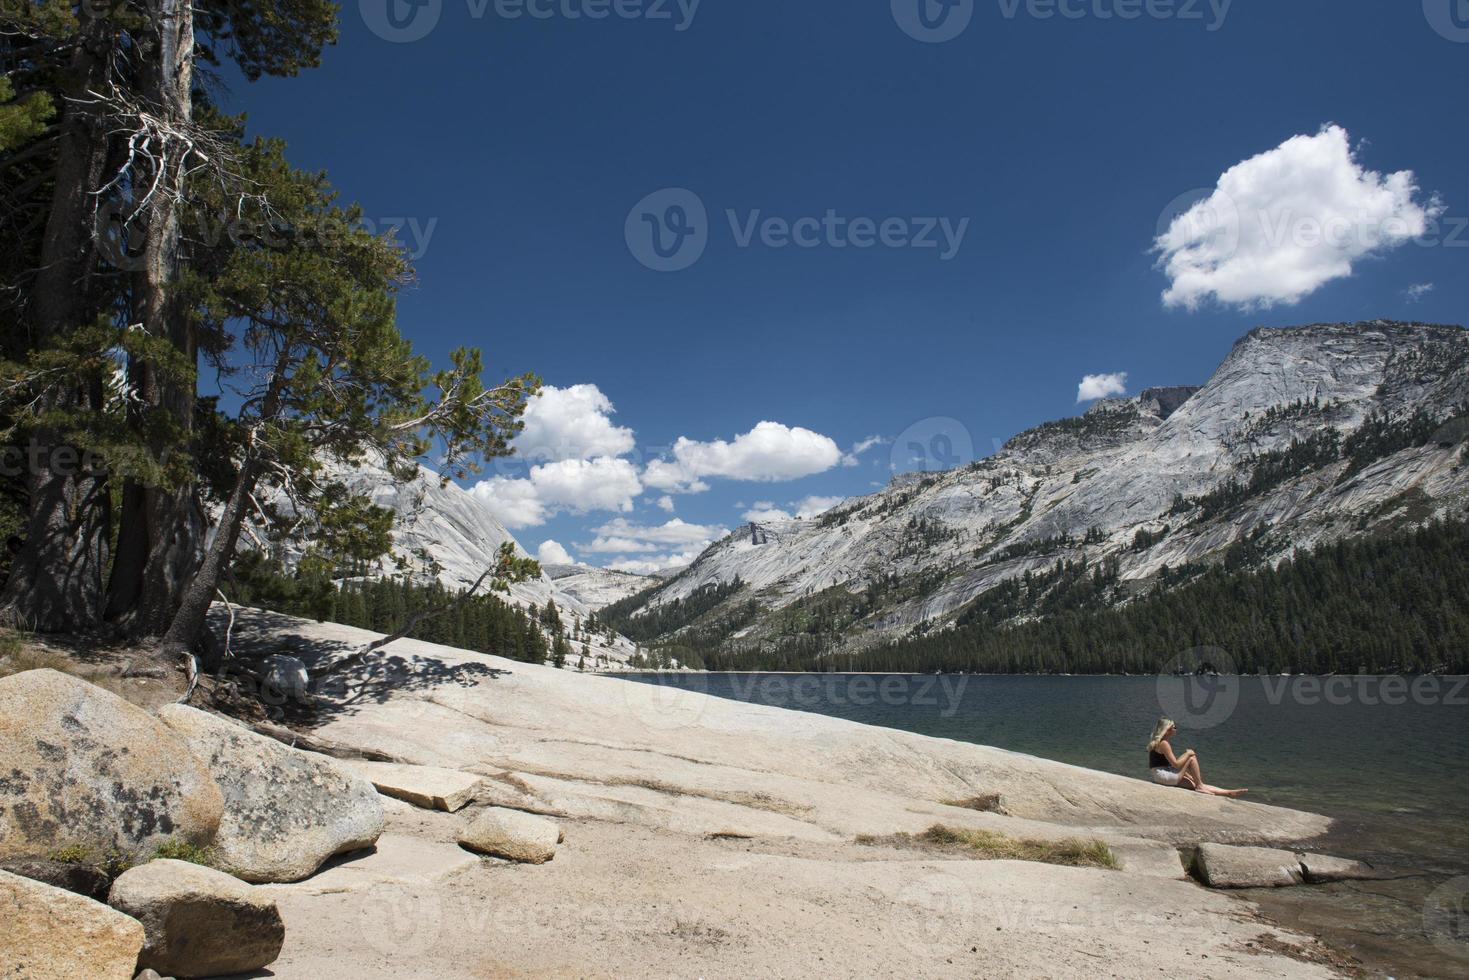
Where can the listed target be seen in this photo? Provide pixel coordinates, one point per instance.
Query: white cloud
(651, 566)
(769, 452)
(571, 423)
(816, 506)
(852, 456)
(1095, 386)
(764, 511)
(1417, 291)
(665, 502)
(620, 535)
(658, 546)
(569, 485)
(552, 553)
(1280, 225)
(514, 503)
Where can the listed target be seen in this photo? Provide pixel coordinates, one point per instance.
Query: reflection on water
(1387, 757)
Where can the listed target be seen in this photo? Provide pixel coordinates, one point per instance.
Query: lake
(1387, 757)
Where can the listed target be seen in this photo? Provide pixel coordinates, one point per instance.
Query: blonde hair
(1159, 730)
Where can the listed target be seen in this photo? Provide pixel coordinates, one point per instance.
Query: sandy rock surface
(511, 835)
(285, 812)
(198, 922)
(430, 787)
(82, 768)
(1224, 866)
(50, 934)
(716, 839)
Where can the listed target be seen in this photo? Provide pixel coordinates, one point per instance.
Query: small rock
(1321, 868)
(150, 975)
(285, 811)
(1227, 866)
(428, 787)
(80, 767)
(512, 835)
(198, 922)
(51, 934)
(286, 679)
(81, 879)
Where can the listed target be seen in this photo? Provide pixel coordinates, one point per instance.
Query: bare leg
(1191, 770)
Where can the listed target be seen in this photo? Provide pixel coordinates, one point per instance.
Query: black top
(1157, 760)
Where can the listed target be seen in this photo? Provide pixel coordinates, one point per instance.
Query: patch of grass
(987, 845)
(73, 854)
(180, 850)
(17, 655)
(1072, 852)
(111, 864)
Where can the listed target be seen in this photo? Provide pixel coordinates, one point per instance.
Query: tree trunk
(193, 610)
(163, 526)
(56, 580)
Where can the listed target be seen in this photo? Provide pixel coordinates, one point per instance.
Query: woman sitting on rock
(1178, 770)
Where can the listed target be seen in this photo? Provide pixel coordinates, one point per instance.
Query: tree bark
(56, 580)
(193, 609)
(162, 534)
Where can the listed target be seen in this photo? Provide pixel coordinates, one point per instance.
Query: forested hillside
(1388, 604)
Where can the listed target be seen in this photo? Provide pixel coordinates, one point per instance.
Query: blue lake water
(1387, 757)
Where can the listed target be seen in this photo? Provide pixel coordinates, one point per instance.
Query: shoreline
(939, 673)
(687, 803)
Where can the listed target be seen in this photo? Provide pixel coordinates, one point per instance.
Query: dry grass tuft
(985, 803)
(1072, 852)
(18, 655)
(988, 845)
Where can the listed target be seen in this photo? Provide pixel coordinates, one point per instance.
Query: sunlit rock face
(1085, 486)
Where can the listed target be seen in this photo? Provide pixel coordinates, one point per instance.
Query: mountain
(444, 532)
(1302, 437)
(594, 587)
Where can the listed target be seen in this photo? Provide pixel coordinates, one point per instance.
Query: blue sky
(521, 155)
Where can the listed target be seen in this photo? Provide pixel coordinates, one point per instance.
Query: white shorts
(1167, 777)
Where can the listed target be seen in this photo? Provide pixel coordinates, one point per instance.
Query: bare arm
(1175, 761)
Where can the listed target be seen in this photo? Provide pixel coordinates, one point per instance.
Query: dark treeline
(1386, 604)
(482, 623)
(667, 618)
